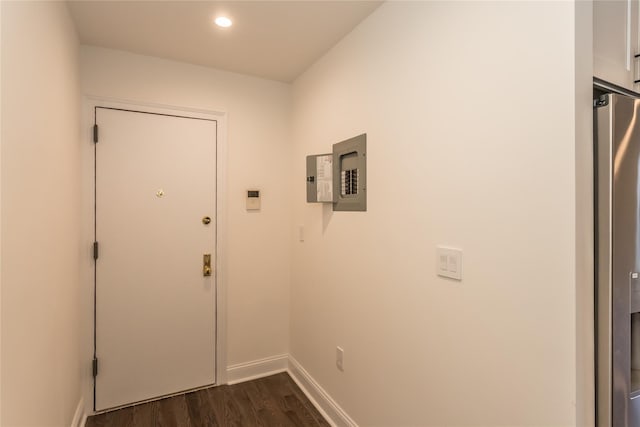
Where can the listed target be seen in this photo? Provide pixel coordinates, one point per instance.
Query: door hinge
(602, 101)
(95, 366)
(95, 133)
(95, 250)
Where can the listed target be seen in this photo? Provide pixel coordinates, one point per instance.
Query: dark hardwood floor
(265, 402)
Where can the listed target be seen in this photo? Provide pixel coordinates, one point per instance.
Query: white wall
(40, 167)
(1, 218)
(469, 109)
(259, 155)
(585, 350)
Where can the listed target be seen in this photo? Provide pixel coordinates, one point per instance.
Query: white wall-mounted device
(449, 262)
(253, 200)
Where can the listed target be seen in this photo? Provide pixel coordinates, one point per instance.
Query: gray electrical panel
(340, 177)
(320, 179)
(350, 174)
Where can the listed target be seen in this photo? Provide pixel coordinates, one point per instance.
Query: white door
(155, 307)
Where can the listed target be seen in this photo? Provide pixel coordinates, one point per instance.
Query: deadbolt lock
(206, 265)
(206, 220)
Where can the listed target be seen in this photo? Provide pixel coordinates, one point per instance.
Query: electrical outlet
(339, 358)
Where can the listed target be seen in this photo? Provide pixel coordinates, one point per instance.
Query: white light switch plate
(449, 262)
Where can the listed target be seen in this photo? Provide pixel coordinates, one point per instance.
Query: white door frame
(87, 273)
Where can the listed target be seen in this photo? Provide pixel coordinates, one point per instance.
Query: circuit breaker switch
(351, 174)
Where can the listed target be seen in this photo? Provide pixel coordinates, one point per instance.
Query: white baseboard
(256, 369)
(80, 417)
(328, 407)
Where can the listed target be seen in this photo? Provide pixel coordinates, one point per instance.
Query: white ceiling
(272, 39)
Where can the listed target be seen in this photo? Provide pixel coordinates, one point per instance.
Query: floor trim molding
(248, 371)
(328, 407)
(79, 417)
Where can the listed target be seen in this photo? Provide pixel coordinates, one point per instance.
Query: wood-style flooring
(265, 402)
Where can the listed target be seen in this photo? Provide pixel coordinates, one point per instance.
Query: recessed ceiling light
(223, 21)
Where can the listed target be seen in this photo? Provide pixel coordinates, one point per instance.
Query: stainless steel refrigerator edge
(617, 154)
